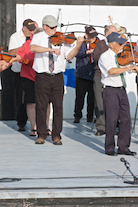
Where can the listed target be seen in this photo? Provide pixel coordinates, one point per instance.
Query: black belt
(52, 74)
(121, 87)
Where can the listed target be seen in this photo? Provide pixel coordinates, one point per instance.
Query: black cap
(91, 32)
(30, 24)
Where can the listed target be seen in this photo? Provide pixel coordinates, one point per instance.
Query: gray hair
(39, 29)
(109, 29)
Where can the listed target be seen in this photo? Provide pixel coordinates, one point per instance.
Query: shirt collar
(45, 35)
(112, 52)
(22, 34)
(106, 42)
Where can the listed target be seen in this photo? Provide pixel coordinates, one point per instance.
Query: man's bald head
(109, 29)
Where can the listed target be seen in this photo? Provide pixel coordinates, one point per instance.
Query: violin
(119, 28)
(58, 38)
(127, 46)
(7, 57)
(126, 57)
(92, 45)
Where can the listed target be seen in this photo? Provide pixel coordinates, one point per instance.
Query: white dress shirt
(106, 62)
(17, 39)
(41, 60)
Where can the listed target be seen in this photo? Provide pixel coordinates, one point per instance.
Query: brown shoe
(57, 141)
(40, 140)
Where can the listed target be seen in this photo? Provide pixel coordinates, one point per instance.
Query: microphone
(123, 160)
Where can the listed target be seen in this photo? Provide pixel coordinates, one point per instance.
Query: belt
(121, 87)
(52, 74)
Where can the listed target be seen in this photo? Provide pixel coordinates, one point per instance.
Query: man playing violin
(17, 39)
(3, 66)
(100, 48)
(49, 63)
(84, 73)
(115, 99)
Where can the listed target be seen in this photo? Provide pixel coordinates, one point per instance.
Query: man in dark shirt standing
(101, 47)
(84, 74)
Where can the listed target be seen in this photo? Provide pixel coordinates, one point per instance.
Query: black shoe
(99, 133)
(89, 120)
(21, 129)
(127, 153)
(111, 153)
(76, 120)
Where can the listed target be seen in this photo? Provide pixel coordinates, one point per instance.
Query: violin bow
(59, 10)
(83, 32)
(133, 55)
(62, 25)
(129, 35)
(2, 53)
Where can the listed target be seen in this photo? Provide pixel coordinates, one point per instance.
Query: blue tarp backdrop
(69, 78)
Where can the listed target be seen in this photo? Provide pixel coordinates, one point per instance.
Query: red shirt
(26, 69)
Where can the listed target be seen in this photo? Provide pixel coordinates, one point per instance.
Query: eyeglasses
(51, 27)
(119, 44)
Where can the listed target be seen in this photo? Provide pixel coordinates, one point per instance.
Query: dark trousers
(46, 87)
(99, 111)
(84, 86)
(116, 107)
(20, 106)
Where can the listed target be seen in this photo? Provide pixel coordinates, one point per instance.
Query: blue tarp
(69, 78)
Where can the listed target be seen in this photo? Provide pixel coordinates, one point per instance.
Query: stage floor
(77, 169)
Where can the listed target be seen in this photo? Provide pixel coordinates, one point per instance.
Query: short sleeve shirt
(41, 60)
(106, 62)
(17, 39)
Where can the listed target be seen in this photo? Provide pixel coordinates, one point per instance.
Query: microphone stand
(134, 177)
